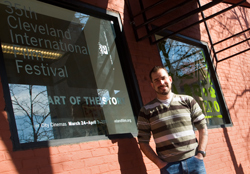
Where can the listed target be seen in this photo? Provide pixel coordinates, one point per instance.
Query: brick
(93, 161)
(57, 168)
(127, 157)
(29, 171)
(6, 166)
(3, 156)
(69, 148)
(5, 126)
(81, 155)
(35, 163)
(77, 171)
(103, 168)
(11, 172)
(53, 150)
(86, 171)
(32, 171)
(25, 154)
(6, 145)
(89, 145)
(110, 158)
(116, 154)
(1, 99)
(43, 152)
(95, 170)
(113, 172)
(153, 171)
(151, 166)
(126, 164)
(107, 143)
(101, 152)
(114, 149)
(3, 115)
(70, 165)
(134, 170)
(59, 158)
(45, 170)
(114, 166)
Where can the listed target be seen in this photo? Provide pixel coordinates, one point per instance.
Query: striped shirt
(171, 126)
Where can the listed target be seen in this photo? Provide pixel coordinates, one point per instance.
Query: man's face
(161, 82)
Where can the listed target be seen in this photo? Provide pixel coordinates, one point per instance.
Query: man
(170, 118)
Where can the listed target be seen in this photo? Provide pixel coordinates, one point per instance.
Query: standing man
(170, 119)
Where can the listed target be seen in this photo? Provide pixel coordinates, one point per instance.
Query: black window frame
(212, 69)
(126, 65)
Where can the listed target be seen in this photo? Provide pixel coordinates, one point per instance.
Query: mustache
(162, 86)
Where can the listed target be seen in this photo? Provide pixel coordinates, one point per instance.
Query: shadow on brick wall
(238, 169)
(238, 15)
(130, 157)
(21, 162)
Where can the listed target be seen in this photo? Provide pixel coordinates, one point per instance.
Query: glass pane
(188, 67)
(64, 73)
(32, 113)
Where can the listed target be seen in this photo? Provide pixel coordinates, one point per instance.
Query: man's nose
(162, 81)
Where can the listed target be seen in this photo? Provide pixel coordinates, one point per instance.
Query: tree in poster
(31, 109)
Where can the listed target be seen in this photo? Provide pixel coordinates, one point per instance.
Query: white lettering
(10, 24)
(18, 66)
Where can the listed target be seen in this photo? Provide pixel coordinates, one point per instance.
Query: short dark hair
(155, 69)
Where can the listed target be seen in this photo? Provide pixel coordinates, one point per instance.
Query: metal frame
(127, 69)
(212, 68)
(200, 9)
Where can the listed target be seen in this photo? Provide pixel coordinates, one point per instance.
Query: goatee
(165, 92)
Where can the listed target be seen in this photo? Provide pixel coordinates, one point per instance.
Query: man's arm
(203, 139)
(149, 152)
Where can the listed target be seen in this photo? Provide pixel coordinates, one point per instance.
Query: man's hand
(162, 164)
(150, 153)
(199, 156)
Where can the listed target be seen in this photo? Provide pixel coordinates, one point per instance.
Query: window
(190, 66)
(64, 73)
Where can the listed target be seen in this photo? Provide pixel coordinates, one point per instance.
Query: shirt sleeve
(144, 127)
(198, 118)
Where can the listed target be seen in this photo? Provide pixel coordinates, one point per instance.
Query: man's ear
(170, 79)
(152, 85)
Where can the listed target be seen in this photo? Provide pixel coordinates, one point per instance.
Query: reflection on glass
(188, 67)
(64, 73)
(32, 114)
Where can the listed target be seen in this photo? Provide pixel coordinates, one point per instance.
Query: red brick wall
(228, 149)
